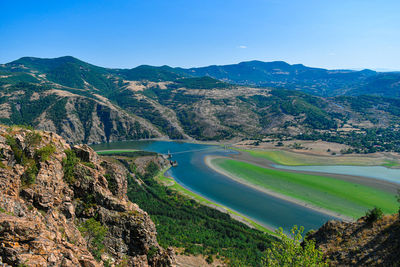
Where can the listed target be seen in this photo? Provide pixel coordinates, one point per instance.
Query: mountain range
(86, 103)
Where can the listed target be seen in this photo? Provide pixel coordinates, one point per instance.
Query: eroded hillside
(90, 104)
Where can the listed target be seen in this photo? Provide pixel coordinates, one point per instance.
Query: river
(193, 174)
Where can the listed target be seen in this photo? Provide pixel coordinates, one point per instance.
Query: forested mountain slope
(86, 103)
(315, 81)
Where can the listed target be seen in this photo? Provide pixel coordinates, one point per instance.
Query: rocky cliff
(360, 243)
(63, 206)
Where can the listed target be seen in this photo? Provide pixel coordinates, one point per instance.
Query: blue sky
(319, 33)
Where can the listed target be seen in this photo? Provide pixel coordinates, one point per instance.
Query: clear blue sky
(320, 33)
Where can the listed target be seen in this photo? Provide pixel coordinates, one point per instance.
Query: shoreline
(210, 203)
(208, 159)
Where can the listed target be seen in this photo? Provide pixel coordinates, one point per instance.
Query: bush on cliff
(94, 232)
(69, 164)
(289, 251)
(373, 215)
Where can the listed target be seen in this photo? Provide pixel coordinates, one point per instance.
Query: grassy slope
(340, 196)
(295, 159)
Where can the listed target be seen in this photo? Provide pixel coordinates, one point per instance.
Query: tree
(94, 232)
(374, 215)
(290, 251)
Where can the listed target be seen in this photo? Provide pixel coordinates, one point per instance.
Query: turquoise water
(193, 174)
(376, 172)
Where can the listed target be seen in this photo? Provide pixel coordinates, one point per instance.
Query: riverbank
(264, 162)
(171, 183)
(192, 172)
(208, 160)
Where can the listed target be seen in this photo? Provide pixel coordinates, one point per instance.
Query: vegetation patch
(30, 174)
(94, 232)
(43, 154)
(17, 150)
(152, 252)
(373, 215)
(89, 164)
(340, 196)
(295, 159)
(33, 138)
(112, 185)
(290, 251)
(21, 156)
(69, 164)
(183, 222)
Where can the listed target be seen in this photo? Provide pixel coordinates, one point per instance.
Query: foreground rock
(63, 207)
(360, 243)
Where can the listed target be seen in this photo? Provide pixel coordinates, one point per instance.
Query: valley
(251, 155)
(200, 133)
(91, 104)
(205, 170)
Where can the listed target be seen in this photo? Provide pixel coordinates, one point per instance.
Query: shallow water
(193, 174)
(376, 172)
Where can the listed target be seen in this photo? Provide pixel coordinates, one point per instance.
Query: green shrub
(43, 154)
(29, 176)
(18, 153)
(94, 232)
(69, 164)
(152, 252)
(112, 185)
(89, 164)
(279, 144)
(32, 139)
(209, 259)
(373, 215)
(288, 251)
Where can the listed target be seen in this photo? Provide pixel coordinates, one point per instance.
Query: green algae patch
(345, 198)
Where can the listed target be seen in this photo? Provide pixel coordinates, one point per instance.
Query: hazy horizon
(353, 69)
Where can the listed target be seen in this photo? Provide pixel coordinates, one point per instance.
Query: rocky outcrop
(67, 207)
(360, 243)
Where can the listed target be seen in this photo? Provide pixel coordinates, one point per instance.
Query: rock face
(67, 207)
(360, 243)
